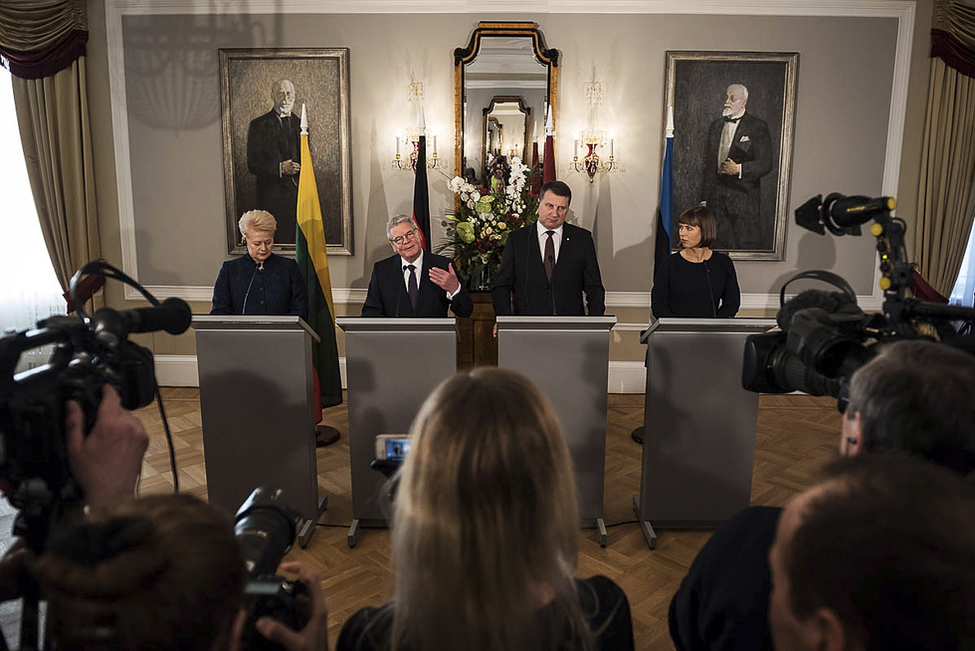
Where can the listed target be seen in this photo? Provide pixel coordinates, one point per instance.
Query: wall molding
(866, 8)
(182, 371)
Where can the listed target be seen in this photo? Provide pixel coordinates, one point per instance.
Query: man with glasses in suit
(413, 282)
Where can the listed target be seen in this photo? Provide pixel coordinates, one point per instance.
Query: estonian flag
(665, 210)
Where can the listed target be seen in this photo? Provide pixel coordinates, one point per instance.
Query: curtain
(42, 42)
(53, 116)
(946, 197)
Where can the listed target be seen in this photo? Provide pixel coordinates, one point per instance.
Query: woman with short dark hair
(696, 281)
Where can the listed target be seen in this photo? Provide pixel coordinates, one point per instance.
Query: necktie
(728, 118)
(411, 288)
(549, 255)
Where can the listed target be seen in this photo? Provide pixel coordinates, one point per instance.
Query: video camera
(824, 337)
(88, 352)
(265, 529)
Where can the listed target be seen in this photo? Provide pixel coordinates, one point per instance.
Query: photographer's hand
(108, 461)
(14, 570)
(314, 636)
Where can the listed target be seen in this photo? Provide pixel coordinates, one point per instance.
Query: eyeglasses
(403, 239)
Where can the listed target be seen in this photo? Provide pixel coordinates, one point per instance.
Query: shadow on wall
(172, 77)
(377, 211)
(630, 268)
(815, 252)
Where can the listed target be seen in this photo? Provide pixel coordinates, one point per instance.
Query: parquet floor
(796, 434)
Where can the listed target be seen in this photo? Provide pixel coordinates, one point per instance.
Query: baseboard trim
(181, 371)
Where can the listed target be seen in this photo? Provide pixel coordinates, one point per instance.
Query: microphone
(112, 326)
(243, 307)
(173, 316)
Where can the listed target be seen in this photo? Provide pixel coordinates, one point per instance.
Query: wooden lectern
(699, 424)
(568, 358)
(258, 406)
(392, 365)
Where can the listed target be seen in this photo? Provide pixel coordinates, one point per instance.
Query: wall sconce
(593, 138)
(591, 163)
(412, 137)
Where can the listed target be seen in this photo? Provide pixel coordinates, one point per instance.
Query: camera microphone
(173, 315)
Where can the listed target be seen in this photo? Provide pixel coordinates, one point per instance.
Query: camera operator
(162, 572)
(107, 462)
(143, 573)
(914, 399)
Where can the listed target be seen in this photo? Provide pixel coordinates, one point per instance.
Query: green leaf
(465, 232)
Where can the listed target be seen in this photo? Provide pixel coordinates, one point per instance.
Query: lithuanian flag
(311, 257)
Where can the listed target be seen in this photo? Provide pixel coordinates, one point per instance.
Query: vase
(481, 279)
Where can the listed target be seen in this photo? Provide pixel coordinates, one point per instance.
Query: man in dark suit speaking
(546, 268)
(273, 155)
(412, 282)
(738, 155)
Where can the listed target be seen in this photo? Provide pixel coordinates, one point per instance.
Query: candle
(434, 144)
(397, 143)
(612, 142)
(576, 142)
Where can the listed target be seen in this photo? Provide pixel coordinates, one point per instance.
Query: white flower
(475, 195)
(456, 184)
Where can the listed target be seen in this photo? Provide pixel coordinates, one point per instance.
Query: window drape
(42, 42)
(946, 196)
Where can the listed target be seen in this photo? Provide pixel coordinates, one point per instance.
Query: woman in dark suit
(696, 281)
(260, 282)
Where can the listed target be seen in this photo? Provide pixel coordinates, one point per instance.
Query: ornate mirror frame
(506, 99)
(463, 56)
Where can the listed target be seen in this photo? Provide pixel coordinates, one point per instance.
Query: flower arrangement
(476, 235)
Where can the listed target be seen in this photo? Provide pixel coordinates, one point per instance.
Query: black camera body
(265, 529)
(824, 337)
(86, 355)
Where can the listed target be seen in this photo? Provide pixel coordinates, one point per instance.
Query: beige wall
(845, 89)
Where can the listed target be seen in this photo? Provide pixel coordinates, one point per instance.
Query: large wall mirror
(507, 73)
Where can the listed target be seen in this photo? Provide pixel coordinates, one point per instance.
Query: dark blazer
(522, 288)
(278, 289)
(736, 202)
(387, 291)
(268, 145)
(722, 603)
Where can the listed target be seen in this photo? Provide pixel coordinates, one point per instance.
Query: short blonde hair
(258, 220)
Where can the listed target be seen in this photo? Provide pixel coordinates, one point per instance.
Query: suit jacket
(736, 202)
(751, 148)
(278, 288)
(387, 292)
(522, 287)
(268, 144)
